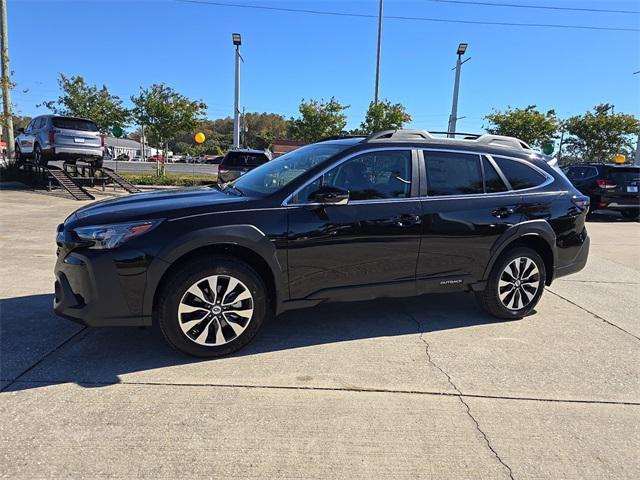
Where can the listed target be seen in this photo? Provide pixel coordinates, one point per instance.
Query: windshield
(273, 175)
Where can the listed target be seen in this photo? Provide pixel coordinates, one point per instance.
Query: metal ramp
(63, 180)
(118, 180)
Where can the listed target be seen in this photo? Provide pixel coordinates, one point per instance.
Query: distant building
(281, 146)
(125, 146)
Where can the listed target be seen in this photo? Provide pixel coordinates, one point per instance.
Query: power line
(423, 19)
(540, 7)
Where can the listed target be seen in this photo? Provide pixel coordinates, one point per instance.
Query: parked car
(156, 158)
(53, 137)
(398, 213)
(240, 161)
(609, 186)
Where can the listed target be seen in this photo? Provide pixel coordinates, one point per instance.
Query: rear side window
(75, 124)
(518, 174)
(238, 159)
(453, 173)
(492, 181)
(581, 172)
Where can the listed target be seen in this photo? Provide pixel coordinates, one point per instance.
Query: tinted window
(75, 124)
(623, 176)
(581, 172)
(492, 181)
(453, 173)
(383, 174)
(519, 175)
(243, 159)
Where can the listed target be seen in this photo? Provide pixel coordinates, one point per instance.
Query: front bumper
(101, 288)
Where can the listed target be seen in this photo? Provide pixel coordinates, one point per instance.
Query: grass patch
(175, 179)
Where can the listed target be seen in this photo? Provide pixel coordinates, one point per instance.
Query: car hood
(170, 203)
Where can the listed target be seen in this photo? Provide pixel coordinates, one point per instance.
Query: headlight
(111, 236)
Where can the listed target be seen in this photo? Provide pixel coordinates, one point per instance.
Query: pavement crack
(593, 314)
(43, 358)
(459, 395)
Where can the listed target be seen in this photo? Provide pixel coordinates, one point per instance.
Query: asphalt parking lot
(420, 388)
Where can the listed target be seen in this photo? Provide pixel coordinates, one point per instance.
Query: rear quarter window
(519, 175)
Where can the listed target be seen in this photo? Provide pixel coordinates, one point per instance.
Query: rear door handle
(408, 220)
(503, 212)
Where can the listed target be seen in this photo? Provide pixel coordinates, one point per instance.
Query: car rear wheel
(515, 284)
(212, 306)
(38, 157)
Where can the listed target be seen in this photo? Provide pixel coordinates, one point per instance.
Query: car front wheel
(212, 306)
(515, 284)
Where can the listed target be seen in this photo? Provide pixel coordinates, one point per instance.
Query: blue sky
(290, 56)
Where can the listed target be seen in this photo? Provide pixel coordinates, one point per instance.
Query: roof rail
(502, 141)
(487, 139)
(408, 134)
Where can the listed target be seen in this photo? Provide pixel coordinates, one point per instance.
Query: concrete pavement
(421, 388)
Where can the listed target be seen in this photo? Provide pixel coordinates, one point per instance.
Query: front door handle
(503, 212)
(408, 220)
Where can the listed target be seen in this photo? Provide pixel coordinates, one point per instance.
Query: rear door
(466, 207)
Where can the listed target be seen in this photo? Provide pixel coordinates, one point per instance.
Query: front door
(343, 251)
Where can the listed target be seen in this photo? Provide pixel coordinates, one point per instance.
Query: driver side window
(372, 175)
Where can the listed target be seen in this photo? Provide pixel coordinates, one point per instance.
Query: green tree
(263, 129)
(599, 135)
(318, 119)
(165, 113)
(383, 116)
(78, 99)
(528, 124)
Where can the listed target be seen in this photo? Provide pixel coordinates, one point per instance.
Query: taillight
(603, 183)
(582, 202)
(52, 136)
(102, 140)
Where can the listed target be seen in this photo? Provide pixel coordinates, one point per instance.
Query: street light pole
(453, 118)
(6, 80)
(237, 41)
(375, 97)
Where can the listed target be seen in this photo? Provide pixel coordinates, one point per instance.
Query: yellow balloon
(199, 138)
(619, 158)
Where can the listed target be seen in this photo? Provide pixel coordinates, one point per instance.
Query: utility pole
(453, 118)
(6, 81)
(237, 41)
(375, 97)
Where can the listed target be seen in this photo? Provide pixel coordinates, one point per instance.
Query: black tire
(38, 156)
(630, 213)
(489, 299)
(183, 279)
(19, 156)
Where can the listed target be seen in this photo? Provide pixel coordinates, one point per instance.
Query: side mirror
(327, 195)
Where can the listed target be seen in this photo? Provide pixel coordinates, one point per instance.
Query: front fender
(248, 236)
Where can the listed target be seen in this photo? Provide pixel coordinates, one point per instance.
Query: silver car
(52, 137)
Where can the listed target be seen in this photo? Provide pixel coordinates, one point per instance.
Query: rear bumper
(90, 289)
(577, 264)
(75, 152)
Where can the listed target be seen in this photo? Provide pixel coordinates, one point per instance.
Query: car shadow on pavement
(39, 349)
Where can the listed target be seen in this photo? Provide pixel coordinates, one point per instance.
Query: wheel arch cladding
(536, 235)
(244, 243)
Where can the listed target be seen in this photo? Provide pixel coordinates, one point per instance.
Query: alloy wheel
(215, 310)
(519, 283)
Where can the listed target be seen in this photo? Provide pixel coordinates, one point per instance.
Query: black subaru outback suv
(398, 213)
